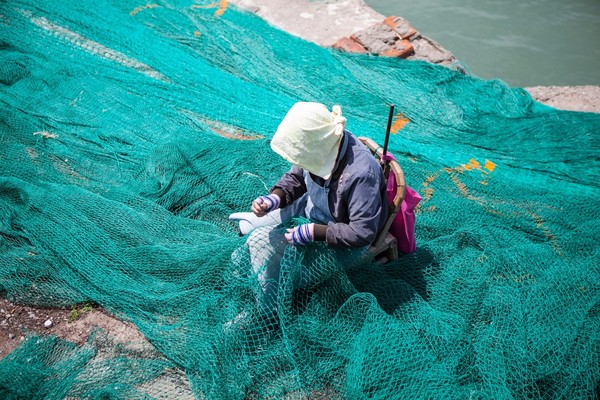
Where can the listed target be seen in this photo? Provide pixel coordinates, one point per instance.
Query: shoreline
(343, 23)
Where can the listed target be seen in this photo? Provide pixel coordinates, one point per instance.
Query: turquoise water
(524, 43)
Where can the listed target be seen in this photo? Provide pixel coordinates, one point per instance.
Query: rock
(402, 48)
(377, 38)
(382, 38)
(48, 323)
(431, 51)
(400, 26)
(11, 336)
(349, 45)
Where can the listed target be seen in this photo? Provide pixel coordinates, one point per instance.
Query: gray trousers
(275, 262)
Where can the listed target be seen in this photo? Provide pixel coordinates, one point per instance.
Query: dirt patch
(72, 324)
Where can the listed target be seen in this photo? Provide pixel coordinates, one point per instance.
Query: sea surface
(524, 43)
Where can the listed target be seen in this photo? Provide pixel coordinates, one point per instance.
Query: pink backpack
(403, 226)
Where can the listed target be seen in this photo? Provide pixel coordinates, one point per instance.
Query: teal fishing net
(129, 131)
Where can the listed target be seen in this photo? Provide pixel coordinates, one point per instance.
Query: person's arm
(290, 186)
(287, 189)
(365, 210)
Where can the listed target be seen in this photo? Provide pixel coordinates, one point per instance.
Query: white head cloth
(309, 136)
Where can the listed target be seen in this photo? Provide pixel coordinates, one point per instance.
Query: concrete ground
(573, 98)
(324, 22)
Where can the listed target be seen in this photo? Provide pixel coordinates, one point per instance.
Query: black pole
(387, 131)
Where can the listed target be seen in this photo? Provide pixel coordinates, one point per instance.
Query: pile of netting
(130, 131)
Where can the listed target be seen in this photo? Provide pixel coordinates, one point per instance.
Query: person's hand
(300, 235)
(264, 204)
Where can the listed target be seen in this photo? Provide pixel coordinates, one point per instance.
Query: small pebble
(48, 323)
(11, 336)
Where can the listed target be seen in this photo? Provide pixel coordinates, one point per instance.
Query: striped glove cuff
(272, 201)
(300, 235)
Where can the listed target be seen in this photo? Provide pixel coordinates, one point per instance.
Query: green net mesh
(130, 131)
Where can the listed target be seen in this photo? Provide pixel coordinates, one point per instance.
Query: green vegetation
(78, 310)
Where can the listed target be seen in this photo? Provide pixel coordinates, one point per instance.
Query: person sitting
(335, 185)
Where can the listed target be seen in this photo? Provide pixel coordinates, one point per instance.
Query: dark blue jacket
(357, 197)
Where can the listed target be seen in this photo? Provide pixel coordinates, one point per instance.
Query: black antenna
(387, 131)
(386, 163)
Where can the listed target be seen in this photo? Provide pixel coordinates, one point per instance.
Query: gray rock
(429, 50)
(402, 27)
(377, 38)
